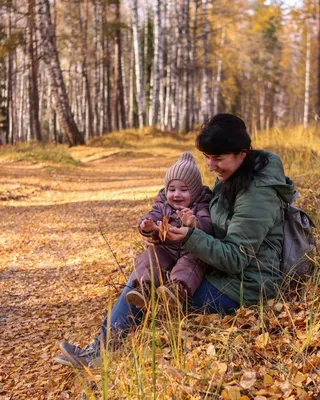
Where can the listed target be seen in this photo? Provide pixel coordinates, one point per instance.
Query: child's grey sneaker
(79, 357)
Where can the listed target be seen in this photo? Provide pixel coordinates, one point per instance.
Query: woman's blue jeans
(207, 299)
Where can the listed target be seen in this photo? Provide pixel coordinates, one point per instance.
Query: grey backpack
(298, 242)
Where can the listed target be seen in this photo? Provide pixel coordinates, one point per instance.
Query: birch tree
(318, 65)
(157, 65)
(35, 125)
(51, 58)
(138, 64)
(121, 109)
(307, 79)
(205, 106)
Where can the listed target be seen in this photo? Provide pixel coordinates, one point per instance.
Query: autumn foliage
(67, 244)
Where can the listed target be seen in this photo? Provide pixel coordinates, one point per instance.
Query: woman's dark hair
(226, 134)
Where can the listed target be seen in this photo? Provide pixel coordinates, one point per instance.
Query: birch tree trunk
(218, 76)
(33, 76)
(157, 65)
(205, 106)
(307, 81)
(171, 65)
(51, 59)
(163, 12)
(185, 125)
(193, 63)
(119, 72)
(138, 65)
(88, 109)
(10, 111)
(176, 104)
(97, 12)
(318, 66)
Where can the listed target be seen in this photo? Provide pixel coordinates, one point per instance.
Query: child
(184, 201)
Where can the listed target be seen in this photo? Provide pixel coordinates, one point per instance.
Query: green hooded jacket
(243, 256)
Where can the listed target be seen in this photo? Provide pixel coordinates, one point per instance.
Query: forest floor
(56, 269)
(57, 273)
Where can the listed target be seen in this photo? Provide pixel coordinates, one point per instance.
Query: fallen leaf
(248, 379)
(262, 340)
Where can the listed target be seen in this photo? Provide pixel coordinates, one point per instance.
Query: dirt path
(56, 270)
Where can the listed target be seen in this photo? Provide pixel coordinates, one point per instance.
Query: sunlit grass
(35, 153)
(260, 352)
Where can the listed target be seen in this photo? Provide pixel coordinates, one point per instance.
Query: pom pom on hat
(186, 170)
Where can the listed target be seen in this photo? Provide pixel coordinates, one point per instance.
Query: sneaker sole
(135, 298)
(63, 361)
(74, 363)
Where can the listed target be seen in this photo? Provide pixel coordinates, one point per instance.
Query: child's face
(178, 195)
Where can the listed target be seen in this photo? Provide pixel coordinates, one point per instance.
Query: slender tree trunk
(33, 76)
(307, 81)
(9, 106)
(185, 125)
(138, 65)
(193, 63)
(83, 22)
(205, 80)
(51, 59)
(162, 60)
(119, 72)
(218, 76)
(157, 64)
(97, 51)
(131, 89)
(318, 72)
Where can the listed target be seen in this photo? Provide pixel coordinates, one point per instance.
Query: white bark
(51, 59)
(218, 76)
(205, 106)
(157, 65)
(138, 64)
(307, 81)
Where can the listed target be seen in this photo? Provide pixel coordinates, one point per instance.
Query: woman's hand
(177, 234)
(187, 217)
(149, 241)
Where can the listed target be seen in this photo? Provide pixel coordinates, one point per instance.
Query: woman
(243, 256)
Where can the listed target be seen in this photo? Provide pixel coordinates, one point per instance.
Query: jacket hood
(273, 175)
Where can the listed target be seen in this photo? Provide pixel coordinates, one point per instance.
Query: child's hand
(148, 225)
(187, 217)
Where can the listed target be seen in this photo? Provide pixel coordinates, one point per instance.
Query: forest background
(73, 70)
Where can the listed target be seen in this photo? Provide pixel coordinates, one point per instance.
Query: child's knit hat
(186, 170)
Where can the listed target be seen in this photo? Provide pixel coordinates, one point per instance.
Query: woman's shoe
(78, 357)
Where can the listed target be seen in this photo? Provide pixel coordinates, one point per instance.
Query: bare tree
(138, 64)
(307, 80)
(51, 58)
(205, 106)
(121, 109)
(318, 72)
(157, 65)
(33, 75)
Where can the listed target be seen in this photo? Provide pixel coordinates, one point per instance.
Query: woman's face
(224, 165)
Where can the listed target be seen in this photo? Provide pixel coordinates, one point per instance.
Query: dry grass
(266, 352)
(269, 351)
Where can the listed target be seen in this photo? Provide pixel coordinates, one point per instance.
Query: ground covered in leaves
(67, 240)
(56, 269)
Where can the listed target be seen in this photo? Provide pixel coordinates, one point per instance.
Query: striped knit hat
(186, 170)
